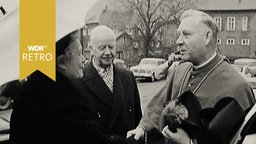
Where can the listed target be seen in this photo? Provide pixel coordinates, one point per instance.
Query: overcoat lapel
(120, 88)
(97, 85)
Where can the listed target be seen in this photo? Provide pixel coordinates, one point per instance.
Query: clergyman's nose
(179, 41)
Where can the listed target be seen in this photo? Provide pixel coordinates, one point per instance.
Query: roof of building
(93, 19)
(226, 4)
(117, 19)
(95, 11)
(119, 34)
(108, 12)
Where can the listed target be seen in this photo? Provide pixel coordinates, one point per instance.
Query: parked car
(4, 131)
(244, 71)
(121, 63)
(146, 68)
(247, 62)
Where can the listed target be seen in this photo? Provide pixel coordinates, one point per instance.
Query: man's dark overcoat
(118, 111)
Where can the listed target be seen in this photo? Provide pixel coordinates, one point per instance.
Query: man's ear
(90, 46)
(62, 66)
(60, 62)
(208, 37)
(91, 49)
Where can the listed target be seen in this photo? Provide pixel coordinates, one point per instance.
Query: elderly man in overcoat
(113, 96)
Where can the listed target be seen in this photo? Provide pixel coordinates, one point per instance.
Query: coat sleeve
(162, 71)
(152, 117)
(153, 111)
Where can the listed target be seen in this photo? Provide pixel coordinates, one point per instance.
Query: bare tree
(174, 8)
(153, 14)
(149, 19)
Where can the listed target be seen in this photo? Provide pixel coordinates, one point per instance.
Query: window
(230, 41)
(126, 54)
(124, 39)
(115, 30)
(129, 31)
(218, 41)
(135, 44)
(244, 23)
(158, 44)
(231, 24)
(245, 42)
(218, 22)
(171, 40)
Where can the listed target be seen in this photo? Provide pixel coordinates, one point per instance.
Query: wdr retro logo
(37, 53)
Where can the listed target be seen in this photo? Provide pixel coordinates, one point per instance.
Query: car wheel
(5, 102)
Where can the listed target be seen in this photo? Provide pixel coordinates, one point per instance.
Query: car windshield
(148, 62)
(237, 67)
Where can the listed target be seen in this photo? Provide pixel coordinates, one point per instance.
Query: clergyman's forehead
(191, 22)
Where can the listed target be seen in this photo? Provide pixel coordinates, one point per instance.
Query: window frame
(244, 23)
(229, 41)
(218, 21)
(230, 21)
(126, 54)
(246, 42)
(219, 40)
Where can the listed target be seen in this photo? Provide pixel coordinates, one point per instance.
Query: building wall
(86, 39)
(125, 49)
(237, 50)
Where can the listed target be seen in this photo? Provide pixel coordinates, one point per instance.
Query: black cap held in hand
(192, 124)
(62, 44)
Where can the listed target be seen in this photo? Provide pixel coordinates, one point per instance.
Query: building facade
(236, 21)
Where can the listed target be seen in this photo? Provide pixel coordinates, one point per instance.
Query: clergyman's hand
(179, 137)
(137, 133)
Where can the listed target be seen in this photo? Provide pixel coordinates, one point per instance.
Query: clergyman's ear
(208, 37)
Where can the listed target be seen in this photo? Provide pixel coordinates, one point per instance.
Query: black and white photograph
(134, 72)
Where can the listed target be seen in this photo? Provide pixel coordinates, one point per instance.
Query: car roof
(245, 61)
(118, 60)
(154, 59)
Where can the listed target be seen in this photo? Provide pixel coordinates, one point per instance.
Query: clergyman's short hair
(205, 18)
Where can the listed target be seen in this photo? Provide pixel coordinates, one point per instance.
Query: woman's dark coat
(52, 112)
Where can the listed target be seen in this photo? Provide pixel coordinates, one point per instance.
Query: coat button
(130, 109)
(98, 114)
(192, 76)
(190, 85)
